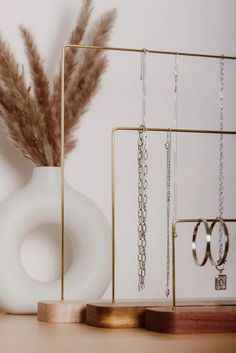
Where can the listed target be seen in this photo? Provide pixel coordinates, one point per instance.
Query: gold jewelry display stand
(160, 317)
(113, 313)
(196, 317)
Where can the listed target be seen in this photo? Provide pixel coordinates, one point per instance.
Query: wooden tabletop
(21, 333)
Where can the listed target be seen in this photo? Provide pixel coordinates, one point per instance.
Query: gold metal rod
(62, 172)
(224, 132)
(227, 220)
(173, 266)
(206, 305)
(151, 51)
(113, 216)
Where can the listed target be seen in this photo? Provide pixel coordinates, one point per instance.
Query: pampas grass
(31, 116)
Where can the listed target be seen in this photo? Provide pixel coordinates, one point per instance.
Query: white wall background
(184, 25)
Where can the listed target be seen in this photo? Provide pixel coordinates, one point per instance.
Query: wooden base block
(62, 311)
(120, 315)
(205, 319)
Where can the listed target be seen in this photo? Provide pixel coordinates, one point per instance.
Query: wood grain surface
(62, 311)
(191, 319)
(24, 334)
(126, 314)
(122, 315)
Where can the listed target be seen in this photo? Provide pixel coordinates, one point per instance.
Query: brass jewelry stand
(132, 314)
(113, 314)
(195, 317)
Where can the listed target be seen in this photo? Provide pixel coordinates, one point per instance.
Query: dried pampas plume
(31, 116)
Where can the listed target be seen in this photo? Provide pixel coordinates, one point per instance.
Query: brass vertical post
(113, 214)
(62, 171)
(173, 265)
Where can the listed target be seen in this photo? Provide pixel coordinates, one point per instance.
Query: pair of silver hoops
(208, 254)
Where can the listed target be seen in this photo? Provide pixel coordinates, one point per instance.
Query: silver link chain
(142, 206)
(168, 198)
(175, 138)
(221, 158)
(142, 182)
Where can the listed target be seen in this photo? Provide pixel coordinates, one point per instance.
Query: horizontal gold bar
(227, 220)
(223, 132)
(204, 305)
(151, 51)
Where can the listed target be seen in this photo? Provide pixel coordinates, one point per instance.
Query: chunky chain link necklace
(142, 207)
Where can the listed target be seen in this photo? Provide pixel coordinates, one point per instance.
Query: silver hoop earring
(208, 242)
(221, 260)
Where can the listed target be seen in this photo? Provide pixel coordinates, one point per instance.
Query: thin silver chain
(142, 182)
(168, 197)
(175, 138)
(221, 158)
(168, 176)
(175, 142)
(143, 72)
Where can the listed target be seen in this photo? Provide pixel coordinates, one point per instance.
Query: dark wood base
(122, 315)
(198, 319)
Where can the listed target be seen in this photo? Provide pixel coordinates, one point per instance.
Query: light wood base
(198, 319)
(62, 311)
(122, 315)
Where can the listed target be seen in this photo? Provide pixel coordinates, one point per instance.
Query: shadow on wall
(14, 164)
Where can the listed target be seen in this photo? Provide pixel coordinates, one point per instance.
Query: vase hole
(40, 253)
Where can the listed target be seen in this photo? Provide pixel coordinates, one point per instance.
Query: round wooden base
(62, 311)
(205, 319)
(120, 315)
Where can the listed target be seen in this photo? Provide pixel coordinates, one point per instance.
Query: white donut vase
(87, 228)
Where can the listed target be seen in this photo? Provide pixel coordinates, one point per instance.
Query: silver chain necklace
(168, 176)
(142, 207)
(221, 156)
(175, 137)
(142, 183)
(168, 195)
(221, 279)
